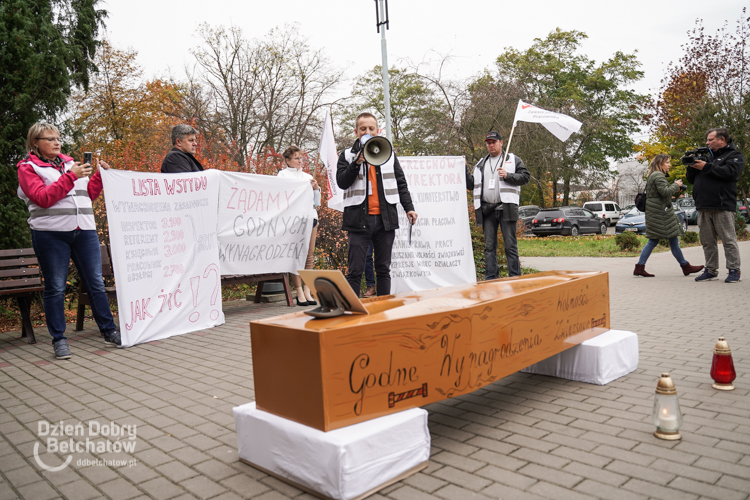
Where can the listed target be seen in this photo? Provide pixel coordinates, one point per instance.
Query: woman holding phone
(661, 221)
(58, 193)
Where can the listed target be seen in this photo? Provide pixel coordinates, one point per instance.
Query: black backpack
(640, 201)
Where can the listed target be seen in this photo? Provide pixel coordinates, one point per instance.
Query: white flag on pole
(561, 126)
(330, 158)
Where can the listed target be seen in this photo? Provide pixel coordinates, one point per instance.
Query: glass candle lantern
(666, 415)
(722, 366)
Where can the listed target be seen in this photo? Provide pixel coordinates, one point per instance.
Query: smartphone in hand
(87, 158)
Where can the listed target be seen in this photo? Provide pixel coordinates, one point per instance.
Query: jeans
(369, 268)
(674, 245)
(54, 249)
(490, 225)
(382, 243)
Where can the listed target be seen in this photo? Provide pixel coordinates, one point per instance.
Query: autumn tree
(123, 115)
(455, 97)
(46, 49)
(418, 115)
(708, 87)
(259, 94)
(553, 75)
(490, 105)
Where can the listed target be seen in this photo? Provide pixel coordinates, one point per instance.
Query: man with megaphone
(373, 183)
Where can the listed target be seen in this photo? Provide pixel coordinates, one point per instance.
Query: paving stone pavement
(523, 437)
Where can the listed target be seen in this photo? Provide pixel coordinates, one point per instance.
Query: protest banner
(439, 252)
(162, 233)
(264, 223)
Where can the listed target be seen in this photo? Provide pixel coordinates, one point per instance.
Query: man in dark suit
(181, 159)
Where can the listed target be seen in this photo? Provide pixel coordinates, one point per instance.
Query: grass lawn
(582, 246)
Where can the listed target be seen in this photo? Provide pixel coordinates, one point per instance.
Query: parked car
(681, 216)
(743, 210)
(607, 210)
(567, 221)
(688, 205)
(635, 220)
(526, 215)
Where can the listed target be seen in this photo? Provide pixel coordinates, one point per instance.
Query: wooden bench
(260, 279)
(20, 278)
(83, 297)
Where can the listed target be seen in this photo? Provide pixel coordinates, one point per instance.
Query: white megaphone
(375, 150)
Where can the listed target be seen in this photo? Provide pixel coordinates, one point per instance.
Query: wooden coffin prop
(417, 348)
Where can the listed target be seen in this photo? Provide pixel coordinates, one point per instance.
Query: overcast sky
(473, 32)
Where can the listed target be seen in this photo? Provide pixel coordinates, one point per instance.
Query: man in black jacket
(715, 194)
(370, 213)
(181, 159)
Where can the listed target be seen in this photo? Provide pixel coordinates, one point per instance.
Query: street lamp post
(381, 19)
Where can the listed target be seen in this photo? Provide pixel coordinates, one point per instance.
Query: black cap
(493, 136)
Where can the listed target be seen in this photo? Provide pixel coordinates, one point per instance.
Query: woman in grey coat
(661, 221)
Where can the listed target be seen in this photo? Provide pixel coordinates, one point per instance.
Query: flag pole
(510, 139)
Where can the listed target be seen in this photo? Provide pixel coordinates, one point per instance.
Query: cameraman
(715, 193)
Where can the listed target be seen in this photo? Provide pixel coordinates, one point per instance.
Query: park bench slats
(20, 278)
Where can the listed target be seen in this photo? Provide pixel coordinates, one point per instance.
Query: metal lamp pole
(381, 19)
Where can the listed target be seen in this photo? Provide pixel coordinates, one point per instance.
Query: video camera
(697, 154)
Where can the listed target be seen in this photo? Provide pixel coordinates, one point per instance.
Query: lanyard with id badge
(493, 178)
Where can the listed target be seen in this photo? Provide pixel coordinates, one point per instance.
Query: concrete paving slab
(526, 436)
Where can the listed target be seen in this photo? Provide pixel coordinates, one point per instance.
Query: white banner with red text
(172, 237)
(162, 234)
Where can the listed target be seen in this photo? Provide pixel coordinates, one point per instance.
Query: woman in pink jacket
(58, 193)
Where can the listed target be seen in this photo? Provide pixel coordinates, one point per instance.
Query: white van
(607, 210)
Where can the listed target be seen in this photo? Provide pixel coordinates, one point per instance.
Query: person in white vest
(496, 190)
(293, 160)
(58, 193)
(370, 214)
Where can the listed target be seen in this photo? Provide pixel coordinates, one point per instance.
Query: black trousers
(382, 243)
